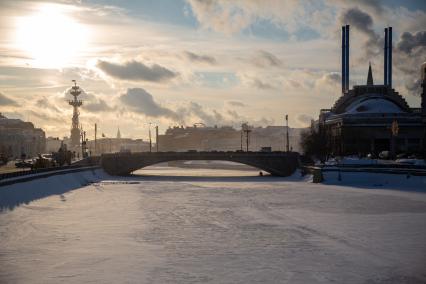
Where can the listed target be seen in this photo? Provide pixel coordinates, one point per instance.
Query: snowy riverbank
(23, 193)
(376, 180)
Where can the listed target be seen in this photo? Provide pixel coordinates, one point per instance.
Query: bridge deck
(276, 163)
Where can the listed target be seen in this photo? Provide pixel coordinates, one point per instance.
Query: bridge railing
(317, 171)
(165, 153)
(91, 161)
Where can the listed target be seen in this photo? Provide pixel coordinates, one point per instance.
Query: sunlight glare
(50, 37)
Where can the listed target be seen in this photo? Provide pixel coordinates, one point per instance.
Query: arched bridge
(275, 163)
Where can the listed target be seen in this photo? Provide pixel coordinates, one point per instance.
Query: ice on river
(179, 226)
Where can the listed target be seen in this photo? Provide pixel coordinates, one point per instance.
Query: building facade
(369, 119)
(20, 139)
(113, 145)
(227, 138)
(53, 144)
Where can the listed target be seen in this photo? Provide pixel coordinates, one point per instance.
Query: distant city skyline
(182, 62)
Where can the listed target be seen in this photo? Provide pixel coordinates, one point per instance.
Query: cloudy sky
(172, 62)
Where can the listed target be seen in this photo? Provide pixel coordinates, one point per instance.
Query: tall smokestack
(390, 57)
(385, 68)
(423, 95)
(423, 107)
(343, 60)
(347, 57)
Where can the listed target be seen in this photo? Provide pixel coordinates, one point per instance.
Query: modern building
(20, 139)
(372, 118)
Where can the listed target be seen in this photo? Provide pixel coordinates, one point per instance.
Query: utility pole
(82, 140)
(242, 130)
(96, 132)
(156, 137)
(150, 141)
(247, 131)
(83, 143)
(247, 134)
(288, 140)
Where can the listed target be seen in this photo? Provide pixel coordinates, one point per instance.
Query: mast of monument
(75, 130)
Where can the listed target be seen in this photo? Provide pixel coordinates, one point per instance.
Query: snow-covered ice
(180, 226)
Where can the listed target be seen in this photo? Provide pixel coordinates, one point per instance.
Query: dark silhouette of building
(19, 138)
(372, 118)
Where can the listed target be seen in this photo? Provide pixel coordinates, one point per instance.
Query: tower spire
(75, 130)
(370, 76)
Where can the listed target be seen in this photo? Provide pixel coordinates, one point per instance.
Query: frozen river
(230, 227)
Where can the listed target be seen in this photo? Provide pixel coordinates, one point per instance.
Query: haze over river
(179, 226)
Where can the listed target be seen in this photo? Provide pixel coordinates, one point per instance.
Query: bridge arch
(275, 163)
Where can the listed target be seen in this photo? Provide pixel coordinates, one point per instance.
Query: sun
(50, 37)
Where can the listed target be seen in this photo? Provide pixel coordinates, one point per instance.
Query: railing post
(317, 175)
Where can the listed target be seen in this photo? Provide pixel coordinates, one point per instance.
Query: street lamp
(246, 129)
(156, 137)
(242, 131)
(287, 138)
(150, 141)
